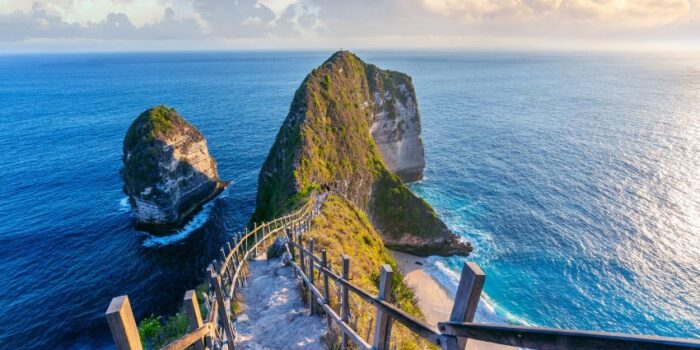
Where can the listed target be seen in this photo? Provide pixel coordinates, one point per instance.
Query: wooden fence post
(194, 315)
(223, 269)
(312, 303)
(230, 251)
(344, 304)
(467, 298)
(326, 287)
(382, 328)
(223, 315)
(255, 238)
(122, 324)
(292, 252)
(236, 263)
(301, 253)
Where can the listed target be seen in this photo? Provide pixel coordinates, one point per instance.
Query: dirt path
(274, 315)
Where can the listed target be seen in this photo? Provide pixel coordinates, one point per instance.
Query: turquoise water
(576, 177)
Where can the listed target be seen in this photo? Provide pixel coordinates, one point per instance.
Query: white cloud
(621, 13)
(40, 22)
(373, 22)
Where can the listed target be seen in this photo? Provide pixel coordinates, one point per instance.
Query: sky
(138, 25)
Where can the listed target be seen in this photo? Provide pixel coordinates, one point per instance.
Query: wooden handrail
(300, 213)
(555, 339)
(452, 335)
(189, 338)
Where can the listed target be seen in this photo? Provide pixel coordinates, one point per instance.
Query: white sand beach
(433, 299)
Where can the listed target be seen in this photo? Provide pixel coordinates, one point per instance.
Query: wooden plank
(417, 326)
(558, 339)
(307, 252)
(382, 328)
(302, 262)
(468, 293)
(223, 316)
(122, 324)
(344, 304)
(188, 339)
(346, 330)
(471, 283)
(191, 306)
(326, 285)
(255, 238)
(311, 273)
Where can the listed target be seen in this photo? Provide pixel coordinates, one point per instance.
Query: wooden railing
(225, 275)
(316, 274)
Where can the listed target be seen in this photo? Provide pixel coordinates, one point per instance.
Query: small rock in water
(419, 263)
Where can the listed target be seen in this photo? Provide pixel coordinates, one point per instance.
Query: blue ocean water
(575, 175)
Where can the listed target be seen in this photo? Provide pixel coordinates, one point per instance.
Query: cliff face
(339, 116)
(168, 173)
(395, 124)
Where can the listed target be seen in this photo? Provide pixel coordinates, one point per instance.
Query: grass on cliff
(325, 141)
(343, 229)
(151, 123)
(397, 210)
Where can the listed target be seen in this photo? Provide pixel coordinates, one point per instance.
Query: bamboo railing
(316, 273)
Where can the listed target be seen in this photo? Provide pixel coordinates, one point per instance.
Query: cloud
(410, 22)
(630, 14)
(239, 19)
(40, 23)
(297, 19)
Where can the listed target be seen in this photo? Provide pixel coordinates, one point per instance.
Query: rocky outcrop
(395, 125)
(168, 173)
(330, 139)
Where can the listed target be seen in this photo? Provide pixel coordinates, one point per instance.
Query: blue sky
(114, 25)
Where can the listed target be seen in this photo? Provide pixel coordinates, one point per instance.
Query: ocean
(575, 175)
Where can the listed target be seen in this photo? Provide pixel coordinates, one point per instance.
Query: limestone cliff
(168, 173)
(395, 123)
(339, 115)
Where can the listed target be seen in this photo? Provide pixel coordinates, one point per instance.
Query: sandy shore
(433, 299)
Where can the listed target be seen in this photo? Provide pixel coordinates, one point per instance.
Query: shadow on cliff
(188, 204)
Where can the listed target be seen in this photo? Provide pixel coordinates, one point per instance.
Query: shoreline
(433, 299)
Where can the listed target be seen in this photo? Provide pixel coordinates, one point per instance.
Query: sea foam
(447, 272)
(193, 225)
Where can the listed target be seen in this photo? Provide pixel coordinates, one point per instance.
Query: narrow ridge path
(273, 315)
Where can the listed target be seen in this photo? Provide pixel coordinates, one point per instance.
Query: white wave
(445, 272)
(193, 225)
(124, 205)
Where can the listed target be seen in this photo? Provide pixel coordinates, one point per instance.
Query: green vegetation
(397, 210)
(343, 229)
(143, 143)
(156, 332)
(325, 141)
(150, 124)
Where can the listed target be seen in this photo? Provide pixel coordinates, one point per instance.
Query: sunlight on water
(593, 209)
(574, 175)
